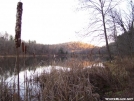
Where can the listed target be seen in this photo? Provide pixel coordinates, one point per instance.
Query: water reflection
(31, 65)
(7, 64)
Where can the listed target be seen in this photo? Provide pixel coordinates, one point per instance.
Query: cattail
(18, 39)
(23, 47)
(18, 24)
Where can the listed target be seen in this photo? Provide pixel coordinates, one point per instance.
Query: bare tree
(100, 20)
(114, 31)
(124, 21)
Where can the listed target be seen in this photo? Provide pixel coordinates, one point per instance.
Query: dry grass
(66, 86)
(122, 71)
(78, 84)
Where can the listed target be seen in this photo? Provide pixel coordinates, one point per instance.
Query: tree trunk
(105, 32)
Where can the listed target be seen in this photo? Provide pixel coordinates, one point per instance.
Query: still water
(39, 65)
(29, 64)
(31, 67)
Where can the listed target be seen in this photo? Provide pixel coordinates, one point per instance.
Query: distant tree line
(7, 47)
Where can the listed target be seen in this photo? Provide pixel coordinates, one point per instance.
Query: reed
(23, 47)
(65, 86)
(18, 38)
(77, 84)
(18, 24)
(25, 75)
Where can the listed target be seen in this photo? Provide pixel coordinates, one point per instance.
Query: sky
(46, 21)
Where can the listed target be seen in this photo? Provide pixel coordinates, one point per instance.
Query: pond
(31, 68)
(7, 64)
(31, 64)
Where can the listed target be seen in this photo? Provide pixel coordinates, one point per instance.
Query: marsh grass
(65, 86)
(77, 84)
(122, 74)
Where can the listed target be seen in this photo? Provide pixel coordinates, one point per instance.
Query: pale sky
(46, 21)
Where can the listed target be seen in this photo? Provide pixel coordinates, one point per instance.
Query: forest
(7, 47)
(122, 47)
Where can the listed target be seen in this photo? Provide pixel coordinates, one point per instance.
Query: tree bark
(105, 32)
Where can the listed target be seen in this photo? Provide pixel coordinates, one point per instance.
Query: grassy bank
(123, 72)
(116, 80)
